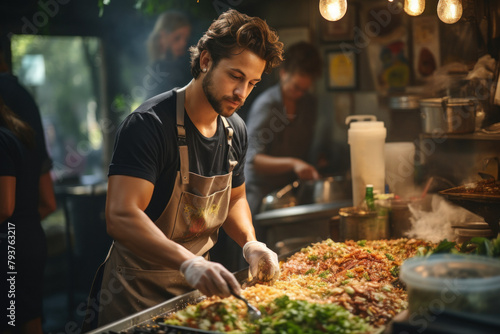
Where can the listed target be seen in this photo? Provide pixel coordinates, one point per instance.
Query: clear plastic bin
(465, 283)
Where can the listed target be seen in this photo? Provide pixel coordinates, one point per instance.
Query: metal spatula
(253, 313)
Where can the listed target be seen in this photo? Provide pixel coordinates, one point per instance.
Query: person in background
(176, 177)
(24, 202)
(20, 101)
(281, 125)
(167, 48)
(27, 183)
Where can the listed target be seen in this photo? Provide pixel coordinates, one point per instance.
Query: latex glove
(210, 278)
(264, 265)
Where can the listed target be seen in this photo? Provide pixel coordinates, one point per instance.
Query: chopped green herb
(298, 316)
(362, 243)
(310, 271)
(389, 256)
(324, 274)
(305, 250)
(327, 255)
(366, 276)
(313, 257)
(395, 271)
(349, 274)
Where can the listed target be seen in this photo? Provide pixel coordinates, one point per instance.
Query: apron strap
(229, 137)
(229, 131)
(181, 135)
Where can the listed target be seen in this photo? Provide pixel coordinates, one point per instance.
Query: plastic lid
(447, 271)
(363, 130)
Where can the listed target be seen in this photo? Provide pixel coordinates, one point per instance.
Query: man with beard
(176, 177)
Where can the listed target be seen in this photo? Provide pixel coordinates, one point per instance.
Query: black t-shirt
(146, 147)
(19, 100)
(23, 163)
(30, 244)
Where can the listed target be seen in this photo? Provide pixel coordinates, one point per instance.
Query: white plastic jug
(366, 138)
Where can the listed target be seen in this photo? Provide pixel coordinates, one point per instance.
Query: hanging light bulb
(333, 10)
(449, 11)
(414, 7)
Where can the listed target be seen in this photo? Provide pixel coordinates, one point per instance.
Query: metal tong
(253, 313)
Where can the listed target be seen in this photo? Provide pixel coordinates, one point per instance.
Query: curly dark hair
(233, 31)
(21, 129)
(302, 57)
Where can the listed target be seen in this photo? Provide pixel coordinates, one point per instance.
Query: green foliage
(444, 246)
(298, 316)
(68, 98)
(477, 246)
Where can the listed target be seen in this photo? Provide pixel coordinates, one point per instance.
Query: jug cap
(360, 118)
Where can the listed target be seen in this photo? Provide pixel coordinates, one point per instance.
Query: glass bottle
(369, 199)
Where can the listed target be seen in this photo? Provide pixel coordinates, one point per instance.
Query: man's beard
(209, 90)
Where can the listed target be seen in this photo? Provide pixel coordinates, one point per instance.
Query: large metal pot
(353, 223)
(324, 190)
(448, 115)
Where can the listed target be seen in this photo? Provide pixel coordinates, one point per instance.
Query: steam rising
(434, 224)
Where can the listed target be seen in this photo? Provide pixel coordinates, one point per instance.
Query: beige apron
(196, 210)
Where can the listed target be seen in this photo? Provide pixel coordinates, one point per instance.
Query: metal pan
(145, 318)
(486, 206)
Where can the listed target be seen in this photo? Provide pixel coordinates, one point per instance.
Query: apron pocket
(200, 216)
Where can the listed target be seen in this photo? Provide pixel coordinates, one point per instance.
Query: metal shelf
(463, 136)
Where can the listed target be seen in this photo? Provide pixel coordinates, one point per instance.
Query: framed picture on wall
(341, 30)
(341, 70)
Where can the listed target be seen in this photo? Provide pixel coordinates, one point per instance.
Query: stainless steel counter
(306, 223)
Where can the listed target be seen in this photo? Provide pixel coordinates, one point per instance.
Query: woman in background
(23, 203)
(167, 48)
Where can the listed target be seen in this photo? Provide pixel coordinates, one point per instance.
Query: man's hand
(264, 265)
(304, 171)
(210, 278)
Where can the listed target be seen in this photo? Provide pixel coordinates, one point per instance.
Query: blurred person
(20, 101)
(24, 201)
(33, 198)
(281, 125)
(176, 177)
(167, 48)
